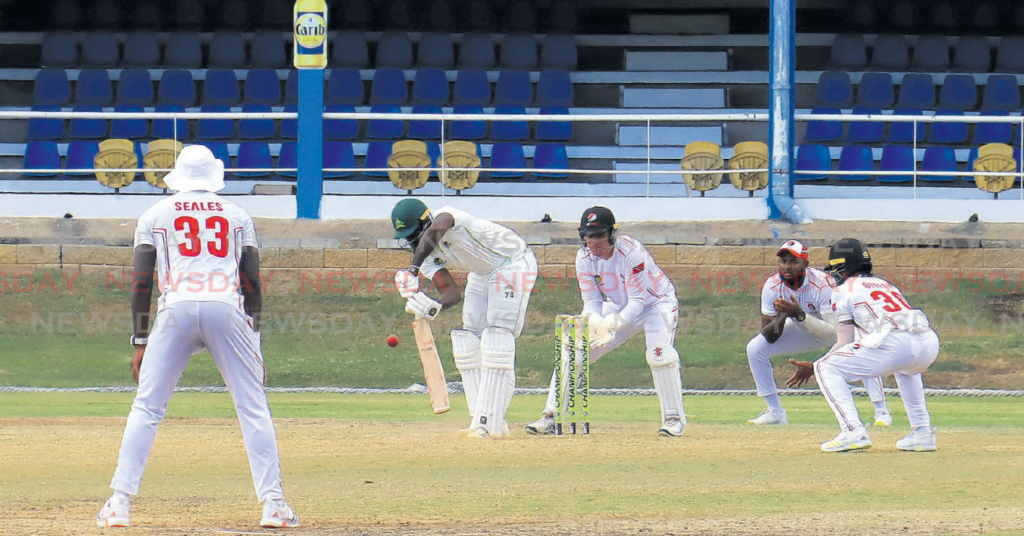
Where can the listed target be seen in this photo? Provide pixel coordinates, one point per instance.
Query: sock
(120, 497)
(774, 402)
(880, 406)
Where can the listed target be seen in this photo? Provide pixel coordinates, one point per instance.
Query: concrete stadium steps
(673, 97)
(668, 136)
(654, 60)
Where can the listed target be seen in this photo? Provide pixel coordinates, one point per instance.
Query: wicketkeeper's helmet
(597, 221)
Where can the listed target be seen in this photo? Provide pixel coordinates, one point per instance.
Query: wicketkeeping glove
(606, 333)
(422, 305)
(407, 283)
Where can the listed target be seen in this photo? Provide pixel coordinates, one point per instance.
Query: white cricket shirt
(475, 244)
(629, 279)
(814, 294)
(876, 307)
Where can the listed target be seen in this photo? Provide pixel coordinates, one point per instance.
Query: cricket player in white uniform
(624, 292)
(878, 333)
(206, 253)
(796, 316)
(502, 273)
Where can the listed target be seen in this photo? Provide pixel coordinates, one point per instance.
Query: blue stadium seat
(291, 87)
(439, 16)
(834, 90)
(254, 154)
(87, 128)
(129, 129)
(550, 156)
(234, 14)
(177, 88)
(267, 51)
(93, 87)
(41, 154)
(513, 88)
(100, 50)
(377, 155)
(478, 15)
(106, 15)
(958, 93)
(389, 87)
(430, 87)
(554, 130)
(973, 54)
(972, 155)
(425, 129)
(220, 88)
(855, 158)
(398, 14)
(339, 129)
(165, 128)
(290, 127)
(288, 158)
(434, 152)
(188, 14)
(394, 50)
(563, 18)
(558, 51)
(385, 129)
(255, 129)
(183, 51)
(931, 54)
(824, 130)
(993, 132)
(943, 16)
(81, 155)
(262, 87)
(215, 129)
(520, 17)
(338, 154)
(519, 52)
(902, 132)
(1008, 57)
(59, 50)
(220, 152)
(45, 129)
(814, 158)
(865, 131)
(510, 130)
(468, 130)
(917, 91)
(848, 53)
(66, 15)
(356, 14)
(345, 87)
(472, 87)
(938, 159)
(52, 87)
(875, 90)
(890, 53)
(948, 132)
(147, 15)
(436, 50)
(896, 158)
(476, 52)
(135, 88)
(507, 156)
(1001, 93)
(349, 50)
(227, 51)
(554, 88)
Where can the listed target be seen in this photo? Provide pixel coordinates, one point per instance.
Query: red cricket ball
(392, 340)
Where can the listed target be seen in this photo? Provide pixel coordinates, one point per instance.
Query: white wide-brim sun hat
(196, 170)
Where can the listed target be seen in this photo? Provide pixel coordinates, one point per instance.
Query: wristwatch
(800, 317)
(138, 341)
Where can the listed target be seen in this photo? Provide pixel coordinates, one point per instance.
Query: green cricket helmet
(409, 217)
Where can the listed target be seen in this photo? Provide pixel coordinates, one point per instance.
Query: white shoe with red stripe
(278, 515)
(113, 514)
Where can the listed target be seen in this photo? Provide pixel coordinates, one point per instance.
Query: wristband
(414, 270)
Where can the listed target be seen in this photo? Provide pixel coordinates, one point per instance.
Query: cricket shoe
(883, 418)
(479, 432)
(113, 514)
(920, 440)
(672, 427)
(278, 515)
(770, 416)
(848, 440)
(545, 425)
(504, 430)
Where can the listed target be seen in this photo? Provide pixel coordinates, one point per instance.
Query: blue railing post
(781, 104)
(309, 26)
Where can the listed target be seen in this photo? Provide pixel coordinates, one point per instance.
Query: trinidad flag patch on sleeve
(638, 268)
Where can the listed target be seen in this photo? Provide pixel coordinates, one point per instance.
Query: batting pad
(664, 362)
(466, 350)
(498, 353)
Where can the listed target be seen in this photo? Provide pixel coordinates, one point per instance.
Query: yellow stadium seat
(116, 154)
(409, 154)
(749, 155)
(995, 157)
(160, 154)
(460, 154)
(702, 156)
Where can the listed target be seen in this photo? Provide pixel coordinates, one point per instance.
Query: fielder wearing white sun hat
(196, 169)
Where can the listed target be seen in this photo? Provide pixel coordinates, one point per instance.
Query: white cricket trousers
(183, 329)
(903, 354)
(795, 338)
(499, 299)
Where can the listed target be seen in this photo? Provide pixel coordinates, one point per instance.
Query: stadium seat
(563, 17)
(425, 129)
(460, 154)
(289, 158)
(896, 158)
(262, 87)
(66, 15)
(220, 88)
(436, 50)
(931, 54)
(550, 156)
(478, 15)
(165, 128)
(865, 131)
(904, 15)
(855, 158)
(389, 87)
(254, 154)
(507, 156)
(290, 127)
(985, 17)
(337, 129)
(958, 93)
(59, 50)
(824, 130)
(40, 128)
(558, 51)
(93, 87)
(215, 129)
(438, 16)
(348, 49)
(814, 159)
(100, 50)
(749, 155)
(377, 154)
(472, 87)
(875, 90)
(943, 15)
(291, 87)
(81, 156)
(256, 129)
(41, 154)
(513, 88)
(554, 88)
(993, 132)
(409, 154)
(702, 156)
(160, 154)
(338, 155)
(834, 90)
(510, 130)
(1001, 93)
(183, 51)
(994, 157)
(903, 132)
(520, 17)
(268, 51)
(890, 53)
(394, 50)
(177, 88)
(356, 14)
(52, 87)
(468, 130)
(220, 152)
(1008, 56)
(554, 130)
(917, 91)
(476, 52)
(106, 15)
(188, 14)
(434, 152)
(385, 129)
(117, 154)
(147, 15)
(938, 159)
(227, 51)
(344, 87)
(88, 129)
(234, 14)
(973, 54)
(129, 129)
(519, 52)
(398, 14)
(848, 53)
(430, 87)
(948, 132)
(135, 88)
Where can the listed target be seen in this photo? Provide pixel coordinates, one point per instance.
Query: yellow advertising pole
(309, 25)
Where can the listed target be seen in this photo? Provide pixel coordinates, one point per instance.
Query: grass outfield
(383, 464)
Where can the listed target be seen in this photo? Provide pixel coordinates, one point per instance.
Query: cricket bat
(432, 370)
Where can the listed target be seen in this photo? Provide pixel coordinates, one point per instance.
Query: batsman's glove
(407, 283)
(423, 306)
